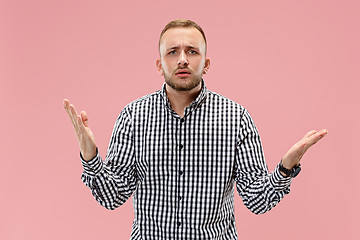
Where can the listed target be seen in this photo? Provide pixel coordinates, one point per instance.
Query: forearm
(261, 193)
(110, 190)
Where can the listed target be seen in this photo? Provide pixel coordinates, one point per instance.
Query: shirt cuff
(279, 181)
(93, 166)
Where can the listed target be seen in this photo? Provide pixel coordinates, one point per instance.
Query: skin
(181, 48)
(83, 133)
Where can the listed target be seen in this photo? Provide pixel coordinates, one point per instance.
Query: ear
(207, 65)
(159, 67)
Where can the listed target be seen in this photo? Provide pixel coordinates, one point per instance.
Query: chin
(183, 87)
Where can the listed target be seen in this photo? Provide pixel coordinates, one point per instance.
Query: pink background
(293, 64)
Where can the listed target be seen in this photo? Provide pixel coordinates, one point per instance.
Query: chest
(199, 147)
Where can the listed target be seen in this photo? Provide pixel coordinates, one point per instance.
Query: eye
(192, 52)
(173, 52)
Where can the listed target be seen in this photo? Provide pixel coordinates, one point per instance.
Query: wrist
(289, 172)
(287, 165)
(88, 156)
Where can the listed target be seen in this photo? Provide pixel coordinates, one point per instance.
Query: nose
(182, 59)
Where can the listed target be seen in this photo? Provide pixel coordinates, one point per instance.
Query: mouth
(182, 73)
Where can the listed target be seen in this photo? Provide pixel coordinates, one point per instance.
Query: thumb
(84, 118)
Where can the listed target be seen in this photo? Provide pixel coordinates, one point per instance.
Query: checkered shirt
(181, 170)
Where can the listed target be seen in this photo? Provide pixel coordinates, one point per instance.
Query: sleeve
(112, 182)
(259, 189)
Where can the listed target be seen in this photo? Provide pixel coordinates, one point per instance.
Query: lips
(182, 73)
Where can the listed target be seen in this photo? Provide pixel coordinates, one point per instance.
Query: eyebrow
(189, 47)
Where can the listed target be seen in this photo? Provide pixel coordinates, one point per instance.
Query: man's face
(182, 58)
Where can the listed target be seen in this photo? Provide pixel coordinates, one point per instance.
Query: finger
(316, 137)
(74, 116)
(310, 133)
(311, 140)
(69, 112)
(81, 125)
(66, 102)
(67, 106)
(84, 118)
(320, 135)
(323, 132)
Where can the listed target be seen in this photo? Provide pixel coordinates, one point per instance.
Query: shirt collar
(198, 100)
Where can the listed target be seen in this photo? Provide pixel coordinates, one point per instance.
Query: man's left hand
(294, 155)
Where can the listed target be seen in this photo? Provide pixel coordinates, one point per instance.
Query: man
(180, 150)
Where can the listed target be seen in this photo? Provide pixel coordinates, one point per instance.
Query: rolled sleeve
(280, 182)
(259, 189)
(93, 166)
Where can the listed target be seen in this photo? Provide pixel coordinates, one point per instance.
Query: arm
(259, 189)
(112, 182)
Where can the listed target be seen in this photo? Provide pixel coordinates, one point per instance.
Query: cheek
(200, 66)
(164, 67)
(167, 65)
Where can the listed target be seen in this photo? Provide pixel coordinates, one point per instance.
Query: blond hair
(182, 23)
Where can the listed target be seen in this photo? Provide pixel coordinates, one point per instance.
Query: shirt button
(182, 120)
(181, 172)
(181, 146)
(180, 198)
(179, 224)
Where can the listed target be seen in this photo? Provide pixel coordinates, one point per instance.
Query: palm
(84, 134)
(296, 152)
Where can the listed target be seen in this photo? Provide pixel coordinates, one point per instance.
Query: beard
(185, 86)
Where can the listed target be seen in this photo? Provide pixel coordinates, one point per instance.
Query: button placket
(181, 172)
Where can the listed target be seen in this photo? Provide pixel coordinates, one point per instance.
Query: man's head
(182, 23)
(182, 47)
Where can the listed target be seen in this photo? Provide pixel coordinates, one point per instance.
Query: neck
(179, 100)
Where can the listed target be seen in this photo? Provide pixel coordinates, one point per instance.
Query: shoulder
(141, 105)
(152, 97)
(216, 98)
(149, 97)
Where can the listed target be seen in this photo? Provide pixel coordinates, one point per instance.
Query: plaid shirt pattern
(181, 171)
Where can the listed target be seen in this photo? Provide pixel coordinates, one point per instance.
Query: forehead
(177, 37)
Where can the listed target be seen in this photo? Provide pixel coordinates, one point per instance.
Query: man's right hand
(84, 134)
